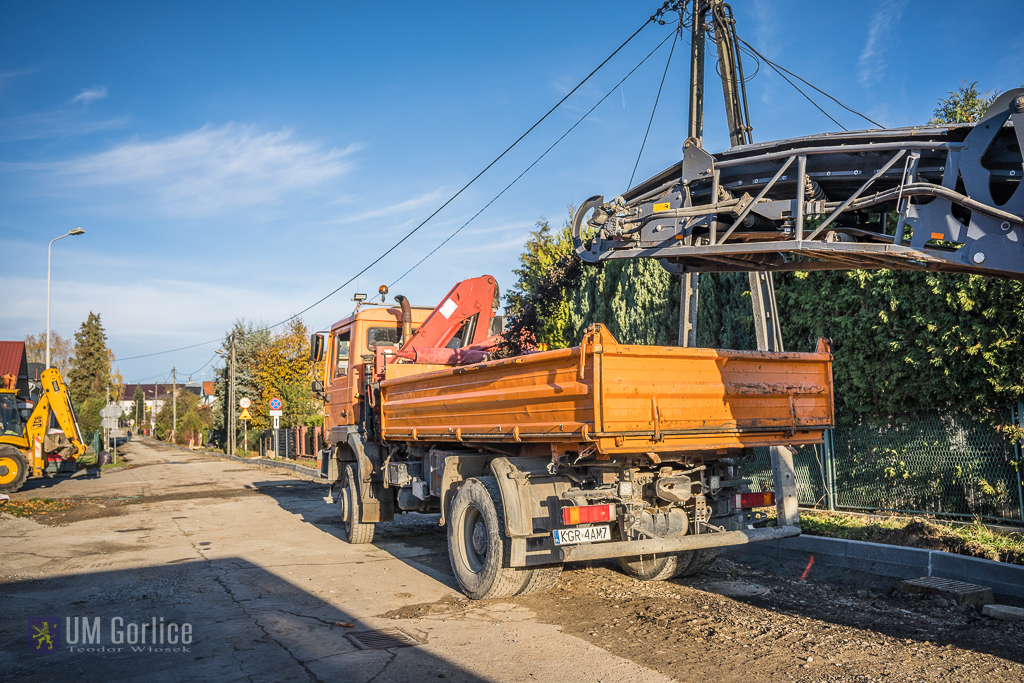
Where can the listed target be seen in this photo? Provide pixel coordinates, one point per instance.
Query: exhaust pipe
(406, 318)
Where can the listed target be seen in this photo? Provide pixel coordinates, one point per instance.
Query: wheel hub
(480, 538)
(344, 503)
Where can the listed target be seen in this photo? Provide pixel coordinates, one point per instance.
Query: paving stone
(1004, 612)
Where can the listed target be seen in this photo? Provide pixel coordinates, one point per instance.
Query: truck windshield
(10, 419)
(382, 336)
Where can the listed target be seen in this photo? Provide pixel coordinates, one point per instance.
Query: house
(14, 366)
(154, 396)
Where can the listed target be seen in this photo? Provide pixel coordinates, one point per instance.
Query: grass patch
(89, 461)
(974, 540)
(34, 507)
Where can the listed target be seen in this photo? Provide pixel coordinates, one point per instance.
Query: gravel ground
(734, 623)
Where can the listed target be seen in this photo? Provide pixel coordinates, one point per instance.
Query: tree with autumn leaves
(271, 364)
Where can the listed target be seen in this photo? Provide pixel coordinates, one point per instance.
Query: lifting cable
(571, 128)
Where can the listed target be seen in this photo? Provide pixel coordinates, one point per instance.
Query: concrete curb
(265, 462)
(838, 559)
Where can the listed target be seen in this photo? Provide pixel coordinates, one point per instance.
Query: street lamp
(49, 251)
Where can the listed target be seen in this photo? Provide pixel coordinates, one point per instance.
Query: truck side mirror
(318, 389)
(316, 348)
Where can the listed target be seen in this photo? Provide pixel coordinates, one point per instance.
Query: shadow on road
(247, 624)
(415, 539)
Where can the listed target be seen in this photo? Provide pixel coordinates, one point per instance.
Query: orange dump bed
(611, 398)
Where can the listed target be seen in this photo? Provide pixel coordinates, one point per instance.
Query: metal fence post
(1019, 421)
(830, 467)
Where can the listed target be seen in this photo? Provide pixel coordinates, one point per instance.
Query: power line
(654, 109)
(581, 119)
(160, 353)
(777, 67)
(474, 179)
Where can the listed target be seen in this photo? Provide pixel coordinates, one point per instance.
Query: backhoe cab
(33, 436)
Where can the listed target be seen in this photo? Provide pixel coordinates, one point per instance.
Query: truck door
(339, 375)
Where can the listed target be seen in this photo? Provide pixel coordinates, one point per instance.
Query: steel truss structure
(934, 198)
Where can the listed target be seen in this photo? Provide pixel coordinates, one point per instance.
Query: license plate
(587, 534)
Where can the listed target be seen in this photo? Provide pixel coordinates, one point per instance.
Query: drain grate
(964, 593)
(382, 639)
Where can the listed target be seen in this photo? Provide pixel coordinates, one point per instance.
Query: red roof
(12, 358)
(209, 388)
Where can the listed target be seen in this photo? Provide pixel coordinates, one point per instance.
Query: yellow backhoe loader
(31, 436)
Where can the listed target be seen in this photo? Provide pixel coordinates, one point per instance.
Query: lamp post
(49, 252)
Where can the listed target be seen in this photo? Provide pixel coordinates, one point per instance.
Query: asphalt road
(253, 560)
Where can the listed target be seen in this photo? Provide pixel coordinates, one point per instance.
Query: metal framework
(933, 198)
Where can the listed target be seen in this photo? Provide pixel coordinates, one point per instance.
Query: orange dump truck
(602, 450)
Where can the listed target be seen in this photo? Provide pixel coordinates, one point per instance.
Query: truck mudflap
(662, 546)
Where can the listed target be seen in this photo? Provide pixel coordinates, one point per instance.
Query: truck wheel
(13, 469)
(358, 531)
(700, 560)
(543, 579)
(479, 549)
(654, 567)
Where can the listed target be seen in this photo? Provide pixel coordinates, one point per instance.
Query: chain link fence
(937, 462)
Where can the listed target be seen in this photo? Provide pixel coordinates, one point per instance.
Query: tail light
(755, 500)
(587, 514)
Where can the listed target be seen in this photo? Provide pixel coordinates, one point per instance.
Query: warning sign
(245, 414)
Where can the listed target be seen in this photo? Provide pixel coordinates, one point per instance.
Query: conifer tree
(89, 376)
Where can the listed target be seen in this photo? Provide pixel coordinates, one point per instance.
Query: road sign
(111, 410)
(245, 414)
(109, 423)
(275, 404)
(244, 403)
(275, 413)
(276, 418)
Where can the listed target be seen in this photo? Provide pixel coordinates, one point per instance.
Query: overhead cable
(654, 109)
(777, 67)
(497, 196)
(473, 179)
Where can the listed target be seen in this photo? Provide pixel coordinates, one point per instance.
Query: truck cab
(353, 341)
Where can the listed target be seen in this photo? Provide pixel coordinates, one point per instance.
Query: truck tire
(357, 531)
(543, 579)
(478, 547)
(700, 560)
(13, 469)
(654, 567)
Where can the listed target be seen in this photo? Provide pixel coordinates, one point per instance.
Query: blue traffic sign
(275, 404)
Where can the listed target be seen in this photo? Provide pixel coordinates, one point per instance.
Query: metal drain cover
(382, 639)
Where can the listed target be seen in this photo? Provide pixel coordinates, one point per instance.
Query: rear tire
(652, 567)
(357, 531)
(543, 579)
(478, 546)
(700, 561)
(663, 567)
(13, 469)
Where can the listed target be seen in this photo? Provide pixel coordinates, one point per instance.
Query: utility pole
(174, 404)
(690, 285)
(232, 435)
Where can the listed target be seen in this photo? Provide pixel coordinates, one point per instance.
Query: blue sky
(236, 159)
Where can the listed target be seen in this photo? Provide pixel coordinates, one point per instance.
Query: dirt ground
(732, 623)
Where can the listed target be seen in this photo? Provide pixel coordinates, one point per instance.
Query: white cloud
(205, 172)
(871, 65)
(90, 95)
